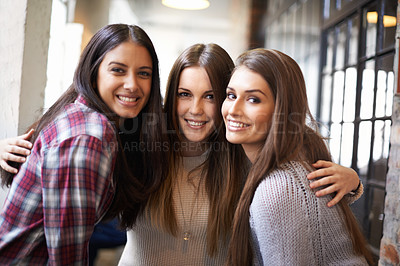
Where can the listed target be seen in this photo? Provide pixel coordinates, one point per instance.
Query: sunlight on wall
(64, 51)
(121, 12)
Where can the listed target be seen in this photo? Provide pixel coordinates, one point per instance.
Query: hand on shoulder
(15, 150)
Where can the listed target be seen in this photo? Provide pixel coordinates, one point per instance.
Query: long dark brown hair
(223, 181)
(137, 172)
(289, 138)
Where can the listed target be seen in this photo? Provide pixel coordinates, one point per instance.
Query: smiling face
(124, 79)
(196, 109)
(248, 109)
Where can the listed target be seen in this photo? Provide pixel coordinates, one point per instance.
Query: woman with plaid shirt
(78, 165)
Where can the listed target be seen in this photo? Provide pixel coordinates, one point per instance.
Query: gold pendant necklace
(190, 187)
(187, 234)
(186, 228)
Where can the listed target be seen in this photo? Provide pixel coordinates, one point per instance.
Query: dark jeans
(105, 235)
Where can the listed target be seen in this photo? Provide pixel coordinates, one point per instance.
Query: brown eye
(183, 94)
(117, 70)
(230, 96)
(254, 100)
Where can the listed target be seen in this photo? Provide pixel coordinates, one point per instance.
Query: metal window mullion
(360, 67)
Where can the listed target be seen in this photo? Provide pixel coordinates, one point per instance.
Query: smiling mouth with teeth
(237, 124)
(194, 123)
(128, 99)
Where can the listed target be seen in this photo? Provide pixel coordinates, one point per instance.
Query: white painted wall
(11, 58)
(24, 38)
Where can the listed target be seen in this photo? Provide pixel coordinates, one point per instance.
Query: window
(356, 95)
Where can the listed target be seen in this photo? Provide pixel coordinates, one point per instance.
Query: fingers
(335, 200)
(18, 149)
(321, 182)
(322, 163)
(27, 136)
(7, 167)
(319, 173)
(19, 143)
(13, 158)
(326, 191)
(329, 190)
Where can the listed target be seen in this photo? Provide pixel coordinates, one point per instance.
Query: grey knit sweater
(291, 226)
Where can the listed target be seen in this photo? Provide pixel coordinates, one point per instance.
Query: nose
(196, 107)
(235, 107)
(130, 82)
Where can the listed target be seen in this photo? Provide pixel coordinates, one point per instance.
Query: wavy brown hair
(137, 172)
(223, 181)
(289, 138)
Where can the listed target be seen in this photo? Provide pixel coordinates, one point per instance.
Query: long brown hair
(223, 181)
(137, 173)
(289, 138)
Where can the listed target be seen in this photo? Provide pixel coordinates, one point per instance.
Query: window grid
(357, 84)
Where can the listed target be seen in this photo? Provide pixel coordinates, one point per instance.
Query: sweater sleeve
(76, 180)
(280, 221)
(355, 195)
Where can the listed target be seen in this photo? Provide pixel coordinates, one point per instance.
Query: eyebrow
(121, 64)
(116, 63)
(249, 91)
(209, 91)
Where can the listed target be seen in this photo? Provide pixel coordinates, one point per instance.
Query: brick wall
(390, 243)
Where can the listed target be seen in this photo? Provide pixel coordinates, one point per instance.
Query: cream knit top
(291, 226)
(149, 246)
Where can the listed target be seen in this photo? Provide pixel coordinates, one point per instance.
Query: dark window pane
(389, 23)
(377, 198)
(332, 7)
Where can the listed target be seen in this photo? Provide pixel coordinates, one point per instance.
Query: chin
(234, 140)
(128, 115)
(194, 139)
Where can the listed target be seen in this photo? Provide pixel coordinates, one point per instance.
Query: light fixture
(186, 4)
(388, 21)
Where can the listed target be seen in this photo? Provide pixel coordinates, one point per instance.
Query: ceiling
(219, 14)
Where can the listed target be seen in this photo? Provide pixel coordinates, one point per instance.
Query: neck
(251, 152)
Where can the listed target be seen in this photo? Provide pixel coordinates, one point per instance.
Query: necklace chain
(186, 227)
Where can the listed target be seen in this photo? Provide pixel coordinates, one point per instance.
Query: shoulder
(282, 186)
(285, 176)
(76, 120)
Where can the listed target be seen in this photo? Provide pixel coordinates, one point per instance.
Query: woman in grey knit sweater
(279, 220)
